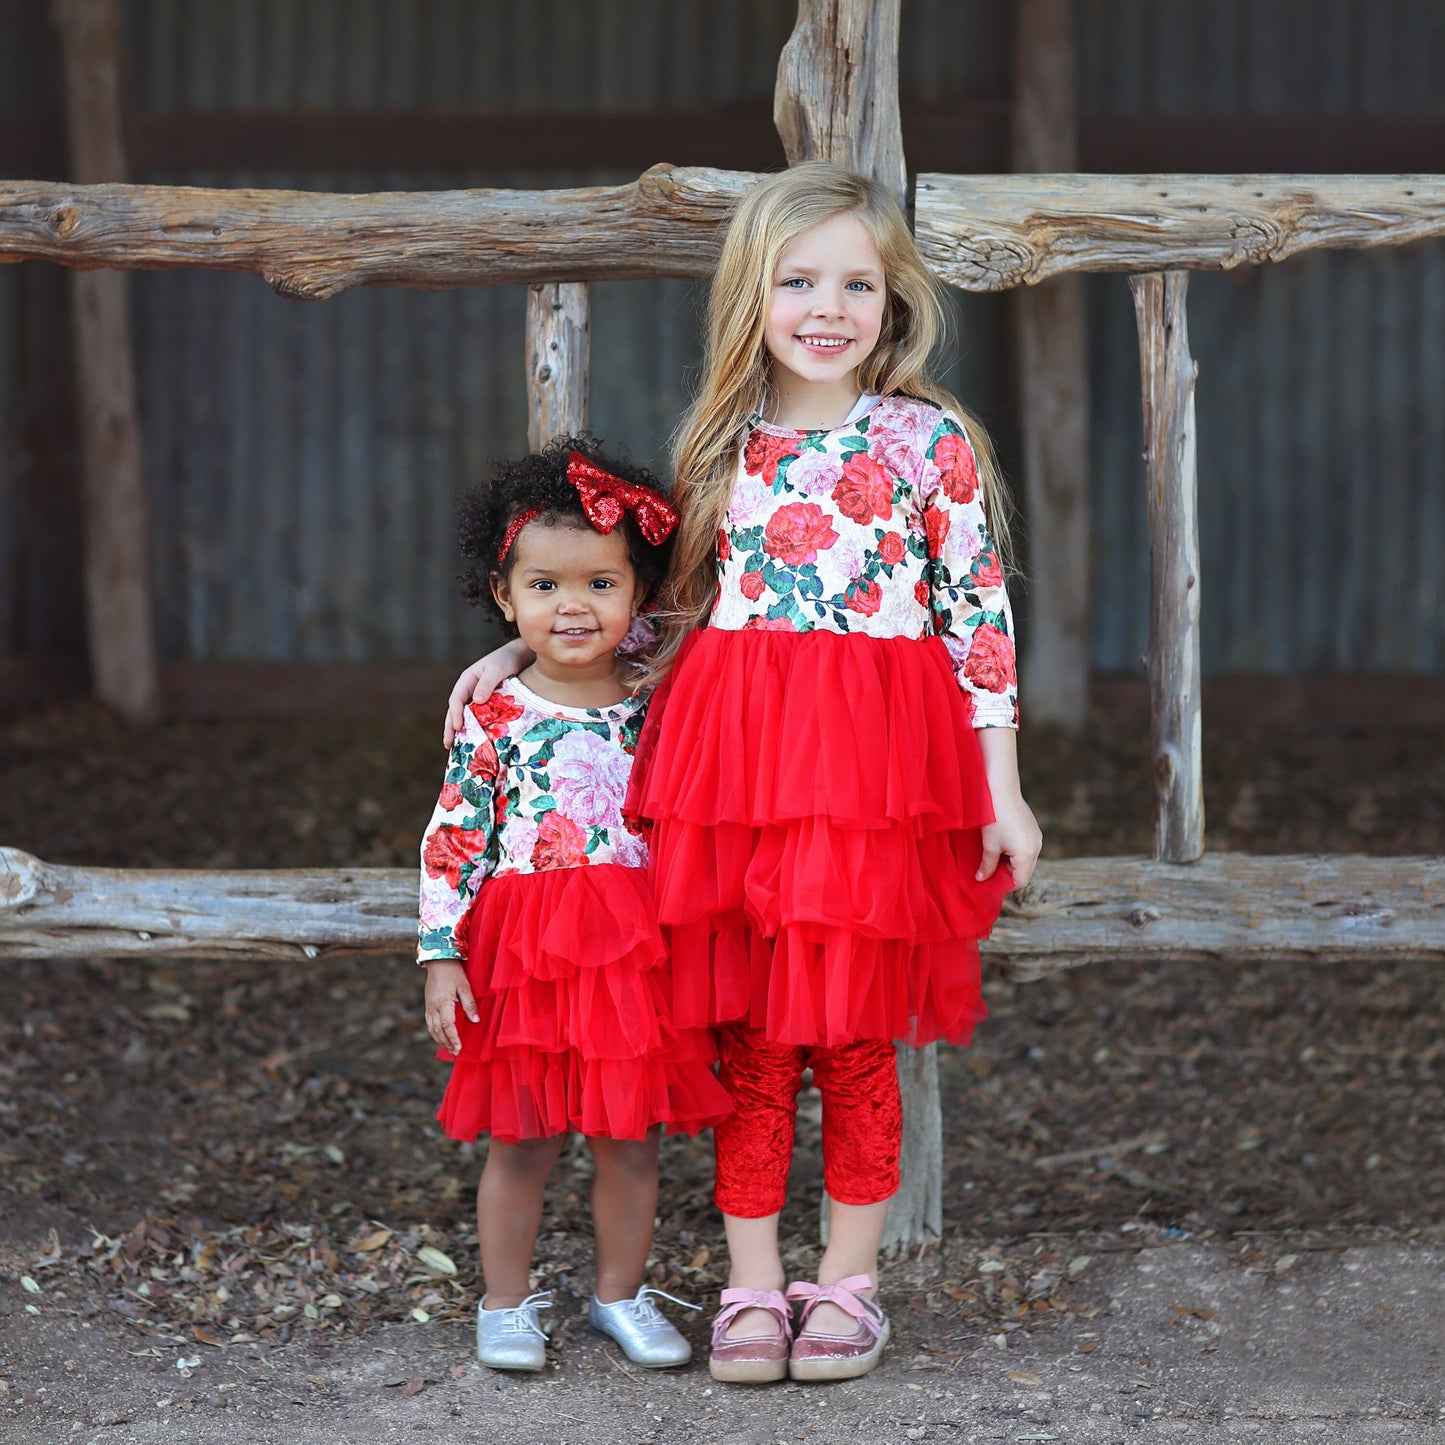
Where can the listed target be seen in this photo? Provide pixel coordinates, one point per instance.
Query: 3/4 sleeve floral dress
(813, 778)
(531, 879)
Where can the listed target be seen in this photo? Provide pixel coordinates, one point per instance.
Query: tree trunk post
(1169, 374)
(119, 589)
(1052, 386)
(837, 100)
(557, 361)
(837, 92)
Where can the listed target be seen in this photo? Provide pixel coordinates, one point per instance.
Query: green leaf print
(549, 729)
(438, 942)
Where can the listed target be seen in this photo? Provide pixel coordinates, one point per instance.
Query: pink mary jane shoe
(838, 1357)
(755, 1359)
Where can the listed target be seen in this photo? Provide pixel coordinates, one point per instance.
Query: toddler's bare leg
(509, 1213)
(624, 1208)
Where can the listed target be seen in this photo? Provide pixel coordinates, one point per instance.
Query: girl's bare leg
(624, 1209)
(855, 1232)
(754, 1263)
(509, 1213)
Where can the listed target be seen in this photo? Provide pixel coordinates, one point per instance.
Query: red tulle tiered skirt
(575, 1033)
(816, 801)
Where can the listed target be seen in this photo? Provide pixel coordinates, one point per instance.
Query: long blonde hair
(772, 215)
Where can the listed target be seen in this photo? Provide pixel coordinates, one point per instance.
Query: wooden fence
(836, 98)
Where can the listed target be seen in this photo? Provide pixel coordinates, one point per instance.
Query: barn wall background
(303, 458)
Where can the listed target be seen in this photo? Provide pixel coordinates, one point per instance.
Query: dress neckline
(861, 408)
(523, 693)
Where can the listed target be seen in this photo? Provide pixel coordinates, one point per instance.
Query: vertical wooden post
(1169, 374)
(837, 92)
(119, 589)
(1052, 385)
(837, 100)
(557, 361)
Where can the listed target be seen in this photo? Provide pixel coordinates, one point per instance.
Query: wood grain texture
(988, 233)
(1171, 484)
(836, 97)
(1053, 391)
(558, 358)
(119, 587)
(981, 233)
(1228, 906)
(312, 245)
(1301, 909)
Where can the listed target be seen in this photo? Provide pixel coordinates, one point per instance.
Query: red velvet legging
(862, 1120)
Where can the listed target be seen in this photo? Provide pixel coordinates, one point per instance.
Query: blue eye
(793, 282)
(863, 285)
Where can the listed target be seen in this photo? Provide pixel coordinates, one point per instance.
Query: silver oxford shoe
(513, 1339)
(646, 1337)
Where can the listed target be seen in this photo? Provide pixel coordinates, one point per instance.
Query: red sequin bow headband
(605, 500)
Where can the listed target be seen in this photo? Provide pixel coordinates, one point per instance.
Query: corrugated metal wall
(304, 458)
(1319, 405)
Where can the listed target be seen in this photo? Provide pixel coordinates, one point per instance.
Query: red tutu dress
(810, 767)
(531, 879)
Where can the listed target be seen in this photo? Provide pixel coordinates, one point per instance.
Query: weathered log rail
(311, 245)
(980, 233)
(1077, 911)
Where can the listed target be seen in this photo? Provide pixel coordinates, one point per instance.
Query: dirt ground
(227, 1215)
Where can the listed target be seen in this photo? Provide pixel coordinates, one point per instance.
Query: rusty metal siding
(304, 458)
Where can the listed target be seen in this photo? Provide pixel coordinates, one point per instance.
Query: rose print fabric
(874, 527)
(530, 786)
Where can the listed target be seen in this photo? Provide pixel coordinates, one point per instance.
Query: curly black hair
(540, 480)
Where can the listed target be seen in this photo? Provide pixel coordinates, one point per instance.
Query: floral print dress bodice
(531, 785)
(875, 527)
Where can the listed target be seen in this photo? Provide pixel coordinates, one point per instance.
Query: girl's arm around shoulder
(1014, 834)
(967, 594)
(481, 680)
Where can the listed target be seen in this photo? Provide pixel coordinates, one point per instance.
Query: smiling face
(572, 593)
(825, 311)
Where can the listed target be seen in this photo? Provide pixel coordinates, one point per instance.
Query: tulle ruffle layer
(575, 1027)
(816, 802)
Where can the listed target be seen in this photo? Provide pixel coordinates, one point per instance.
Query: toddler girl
(829, 763)
(547, 981)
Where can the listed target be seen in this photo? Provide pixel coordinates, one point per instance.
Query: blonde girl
(829, 765)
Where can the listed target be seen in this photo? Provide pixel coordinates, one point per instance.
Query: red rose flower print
(865, 597)
(920, 592)
(763, 453)
(494, 714)
(769, 624)
(724, 546)
(986, 571)
(935, 523)
(484, 761)
(990, 664)
(449, 850)
(561, 843)
(750, 584)
(954, 459)
(451, 796)
(797, 532)
(866, 490)
(891, 548)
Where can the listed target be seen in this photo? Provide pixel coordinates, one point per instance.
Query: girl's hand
(482, 679)
(446, 987)
(1014, 833)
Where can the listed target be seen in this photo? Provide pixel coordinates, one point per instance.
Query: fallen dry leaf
(372, 1241)
(413, 1386)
